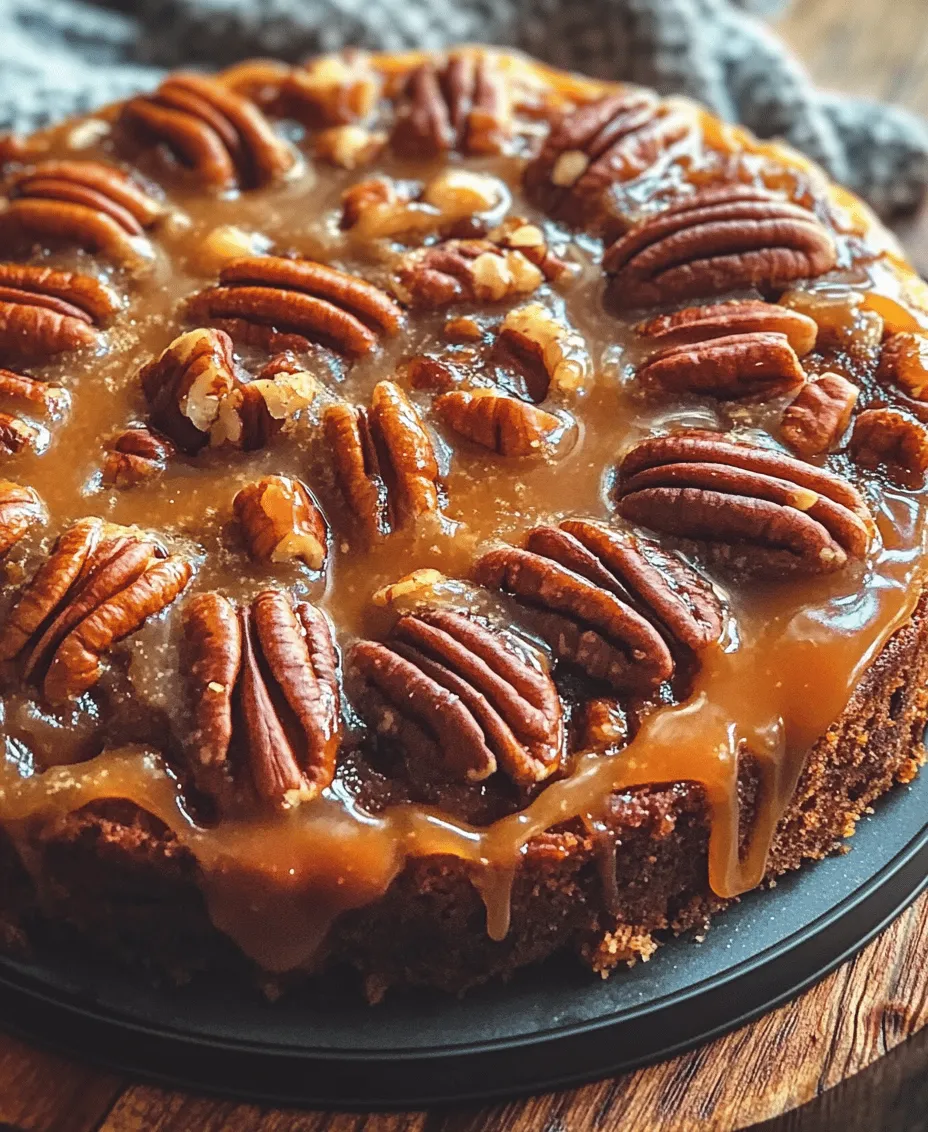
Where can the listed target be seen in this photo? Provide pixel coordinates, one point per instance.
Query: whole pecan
(136, 456)
(758, 364)
(299, 298)
(904, 362)
(753, 509)
(384, 461)
(21, 508)
(222, 137)
(100, 583)
(606, 601)
(894, 439)
(264, 685)
(197, 398)
(44, 311)
(590, 149)
(483, 702)
(720, 239)
(280, 521)
(737, 316)
(94, 206)
(815, 421)
(464, 105)
(502, 423)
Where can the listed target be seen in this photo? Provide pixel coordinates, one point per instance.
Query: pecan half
(264, 684)
(738, 316)
(484, 704)
(904, 362)
(893, 439)
(501, 423)
(136, 456)
(44, 311)
(100, 583)
(86, 203)
(590, 149)
(815, 421)
(384, 461)
(280, 521)
(754, 510)
(465, 105)
(197, 398)
(222, 137)
(740, 365)
(720, 239)
(21, 508)
(300, 298)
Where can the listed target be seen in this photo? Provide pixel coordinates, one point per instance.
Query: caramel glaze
(275, 883)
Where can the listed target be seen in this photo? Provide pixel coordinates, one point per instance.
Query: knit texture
(60, 57)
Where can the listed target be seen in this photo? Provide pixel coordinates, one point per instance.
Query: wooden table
(809, 1053)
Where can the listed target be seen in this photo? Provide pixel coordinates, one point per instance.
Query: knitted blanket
(60, 57)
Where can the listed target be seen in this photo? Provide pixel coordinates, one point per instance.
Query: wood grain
(851, 1020)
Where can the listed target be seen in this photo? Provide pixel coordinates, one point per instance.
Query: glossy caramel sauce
(781, 676)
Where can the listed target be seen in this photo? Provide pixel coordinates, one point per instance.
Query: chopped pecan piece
(484, 703)
(534, 334)
(753, 509)
(264, 684)
(384, 461)
(760, 364)
(720, 239)
(331, 90)
(349, 147)
(501, 423)
(815, 421)
(893, 439)
(613, 140)
(904, 362)
(464, 271)
(466, 105)
(300, 298)
(94, 206)
(197, 398)
(23, 390)
(281, 521)
(381, 207)
(721, 320)
(44, 311)
(136, 456)
(101, 583)
(21, 509)
(222, 137)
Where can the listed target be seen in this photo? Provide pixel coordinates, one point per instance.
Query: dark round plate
(553, 1026)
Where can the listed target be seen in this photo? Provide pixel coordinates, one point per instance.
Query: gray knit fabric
(65, 56)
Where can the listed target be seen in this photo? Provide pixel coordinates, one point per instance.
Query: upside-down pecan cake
(453, 512)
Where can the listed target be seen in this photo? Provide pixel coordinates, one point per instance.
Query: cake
(454, 512)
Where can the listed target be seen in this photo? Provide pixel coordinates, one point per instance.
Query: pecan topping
(755, 510)
(264, 686)
(613, 140)
(101, 583)
(721, 320)
(136, 456)
(20, 510)
(465, 106)
(894, 439)
(607, 600)
(534, 334)
(86, 203)
(499, 422)
(331, 90)
(44, 311)
(719, 240)
(904, 362)
(300, 298)
(222, 137)
(815, 421)
(384, 461)
(197, 398)
(740, 365)
(280, 521)
(484, 704)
